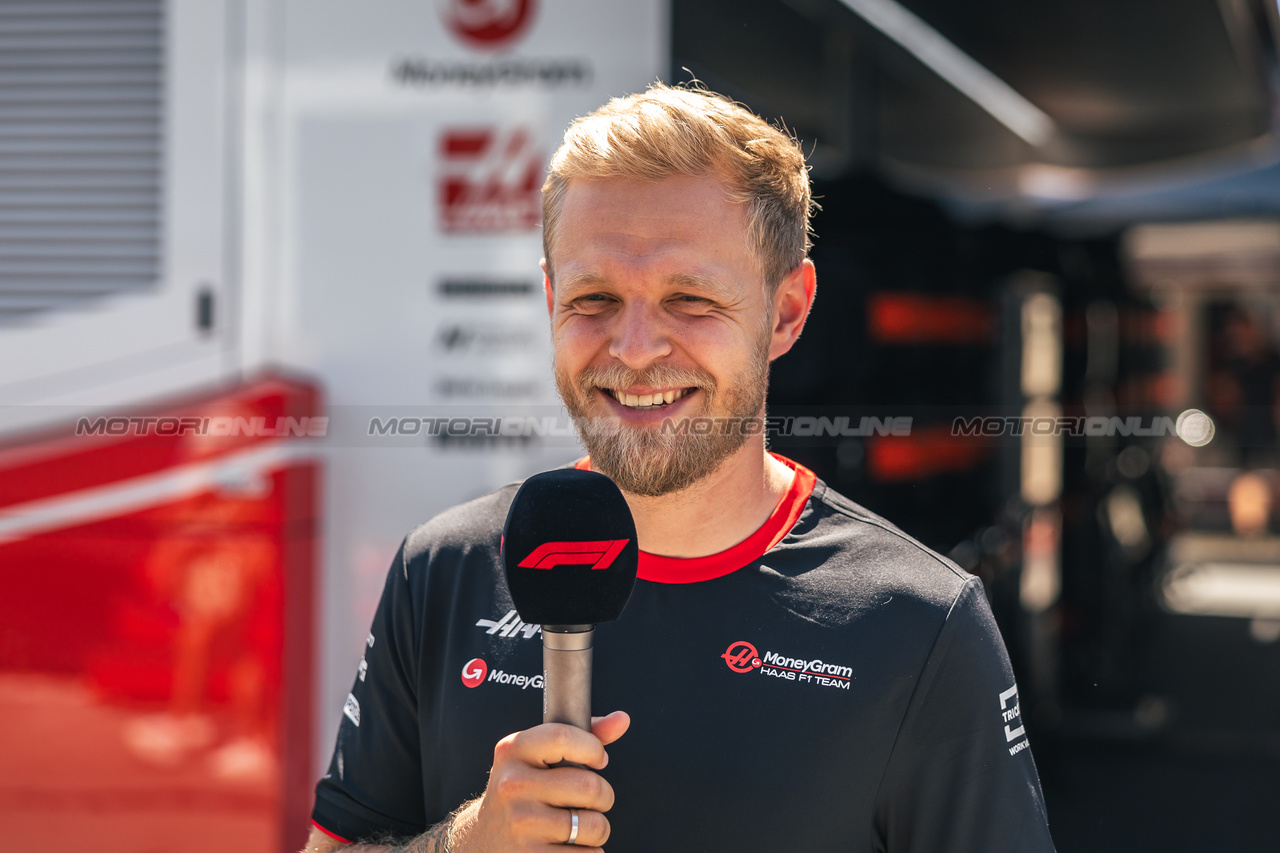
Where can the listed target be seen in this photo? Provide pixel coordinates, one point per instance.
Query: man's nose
(639, 337)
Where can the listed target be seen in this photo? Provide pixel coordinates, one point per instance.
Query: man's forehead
(645, 218)
(671, 207)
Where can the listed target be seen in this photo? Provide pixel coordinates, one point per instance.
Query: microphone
(570, 552)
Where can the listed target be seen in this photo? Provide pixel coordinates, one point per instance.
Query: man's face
(658, 313)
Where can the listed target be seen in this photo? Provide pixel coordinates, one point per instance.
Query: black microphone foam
(569, 547)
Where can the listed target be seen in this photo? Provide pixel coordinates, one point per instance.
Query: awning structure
(1040, 104)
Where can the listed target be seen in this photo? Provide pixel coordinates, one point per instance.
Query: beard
(658, 460)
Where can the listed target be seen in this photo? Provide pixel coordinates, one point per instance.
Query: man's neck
(718, 511)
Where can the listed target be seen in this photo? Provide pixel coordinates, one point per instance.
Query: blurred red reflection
(155, 650)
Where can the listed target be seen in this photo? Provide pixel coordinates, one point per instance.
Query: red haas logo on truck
(491, 181)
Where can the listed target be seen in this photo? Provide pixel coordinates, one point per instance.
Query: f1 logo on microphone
(599, 554)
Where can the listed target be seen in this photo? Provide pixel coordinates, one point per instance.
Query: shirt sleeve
(960, 778)
(373, 787)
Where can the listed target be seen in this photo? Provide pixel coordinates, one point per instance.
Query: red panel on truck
(155, 627)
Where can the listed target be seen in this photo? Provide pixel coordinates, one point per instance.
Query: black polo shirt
(829, 684)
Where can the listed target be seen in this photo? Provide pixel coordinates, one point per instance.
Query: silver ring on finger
(573, 828)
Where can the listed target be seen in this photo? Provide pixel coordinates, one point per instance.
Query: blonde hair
(668, 131)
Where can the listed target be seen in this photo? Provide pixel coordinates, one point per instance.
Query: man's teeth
(642, 401)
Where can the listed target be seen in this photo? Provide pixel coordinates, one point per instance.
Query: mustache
(661, 376)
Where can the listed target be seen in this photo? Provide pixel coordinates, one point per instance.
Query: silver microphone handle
(566, 676)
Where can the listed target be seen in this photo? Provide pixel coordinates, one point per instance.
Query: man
(796, 673)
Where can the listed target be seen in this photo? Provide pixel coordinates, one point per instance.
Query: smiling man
(794, 672)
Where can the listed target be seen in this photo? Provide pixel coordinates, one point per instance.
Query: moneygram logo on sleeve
(476, 672)
(742, 657)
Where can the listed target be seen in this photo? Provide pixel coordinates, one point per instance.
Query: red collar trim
(660, 569)
(332, 835)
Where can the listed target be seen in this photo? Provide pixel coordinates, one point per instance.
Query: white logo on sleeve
(363, 669)
(509, 626)
(352, 709)
(1011, 713)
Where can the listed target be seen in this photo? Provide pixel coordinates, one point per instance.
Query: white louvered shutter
(81, 94)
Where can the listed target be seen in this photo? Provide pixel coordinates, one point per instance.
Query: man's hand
(526, 804)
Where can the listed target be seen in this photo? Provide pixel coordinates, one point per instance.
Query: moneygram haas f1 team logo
(598, 554)
(487, 24)
(741, 657)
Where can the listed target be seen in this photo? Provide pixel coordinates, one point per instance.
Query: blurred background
(269, 298)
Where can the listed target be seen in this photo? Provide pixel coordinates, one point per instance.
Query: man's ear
(791, 303)
(546, 288)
